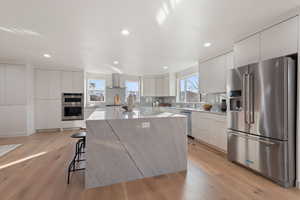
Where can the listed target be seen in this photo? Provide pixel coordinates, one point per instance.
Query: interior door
(267, 82)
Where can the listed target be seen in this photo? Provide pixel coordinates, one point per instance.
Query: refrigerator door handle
(245, 94)
(252, 138)
(251, 97)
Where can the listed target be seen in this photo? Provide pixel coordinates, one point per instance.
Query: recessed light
(165, 67)
(207, 44)
(47, 55)
(116, 62)
(125, 32)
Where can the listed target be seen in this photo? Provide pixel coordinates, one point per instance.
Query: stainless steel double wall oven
(72, 106)
(262, 114)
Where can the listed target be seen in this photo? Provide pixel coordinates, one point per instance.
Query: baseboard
(13, 134)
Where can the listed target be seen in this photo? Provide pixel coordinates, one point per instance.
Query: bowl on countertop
(207, 107)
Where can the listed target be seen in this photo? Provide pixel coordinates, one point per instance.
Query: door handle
(252, 138)
(251, 97)
(244, 93)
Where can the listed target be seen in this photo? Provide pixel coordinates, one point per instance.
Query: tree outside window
(189, 89)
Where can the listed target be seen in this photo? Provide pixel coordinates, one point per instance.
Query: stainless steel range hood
(116, 80)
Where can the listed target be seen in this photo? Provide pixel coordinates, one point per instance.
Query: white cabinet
(247, 51)
(72, 81)
(149, 87)
(78, 82)
(159, 87)
(210, 129)
(47, 84)
(212, 75)
(280, 40)
(15, 85)
(48, 114)
(13, 121)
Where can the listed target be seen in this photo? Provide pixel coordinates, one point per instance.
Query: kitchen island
(124, 146)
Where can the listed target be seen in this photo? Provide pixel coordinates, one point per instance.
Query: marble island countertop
(110, 113)
(200, 110)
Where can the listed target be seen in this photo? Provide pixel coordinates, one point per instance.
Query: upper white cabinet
(280, 40)
(15, 85)
(158, 85)
(47, 84)
(212, 75)
(149, 86)
(72, 81)
(247, 51)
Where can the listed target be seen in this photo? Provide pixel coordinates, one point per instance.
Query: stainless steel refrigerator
(262, 118)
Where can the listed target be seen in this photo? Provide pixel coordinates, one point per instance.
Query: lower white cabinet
(210, 128)
(48, 114)
(13, 120)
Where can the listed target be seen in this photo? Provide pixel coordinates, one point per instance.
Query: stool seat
(80, 135)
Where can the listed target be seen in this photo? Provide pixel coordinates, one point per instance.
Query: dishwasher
(188, 115)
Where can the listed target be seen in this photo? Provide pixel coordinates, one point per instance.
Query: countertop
(110, 113)
(200, 110)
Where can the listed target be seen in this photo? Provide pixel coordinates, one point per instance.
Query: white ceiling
(86, 33)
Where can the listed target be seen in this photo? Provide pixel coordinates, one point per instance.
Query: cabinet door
(47, 84)
(77, 82)
(13, 120)
(15, 85)
(247, 51)
(280, 40)
(201, 126)
(166, 87)
(54, 84)
(159, 87)
(41, 84)
(48, 114)
(67, 82)
(220, 133)
(149, 87)
(2, 84)
(213, 75)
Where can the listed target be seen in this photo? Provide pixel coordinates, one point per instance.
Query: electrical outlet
(146, 125)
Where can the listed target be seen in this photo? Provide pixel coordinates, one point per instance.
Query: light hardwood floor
(37, 171)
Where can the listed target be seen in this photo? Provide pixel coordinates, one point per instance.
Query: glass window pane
(96, 84)
(132, 87)
(182, 90)
(192, 93)
(96, 90)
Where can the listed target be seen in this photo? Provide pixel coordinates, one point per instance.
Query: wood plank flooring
(37, 171)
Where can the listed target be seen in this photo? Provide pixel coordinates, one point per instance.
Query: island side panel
(158, 149)
(107, 162)
(123, 150)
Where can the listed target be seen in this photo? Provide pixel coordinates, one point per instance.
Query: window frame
(185, 88)
(88, 95)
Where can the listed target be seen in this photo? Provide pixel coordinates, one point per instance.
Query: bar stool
(79, 150)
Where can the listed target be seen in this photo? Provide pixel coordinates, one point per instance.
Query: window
(132, 87)
(95, 91)
(189, 89)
